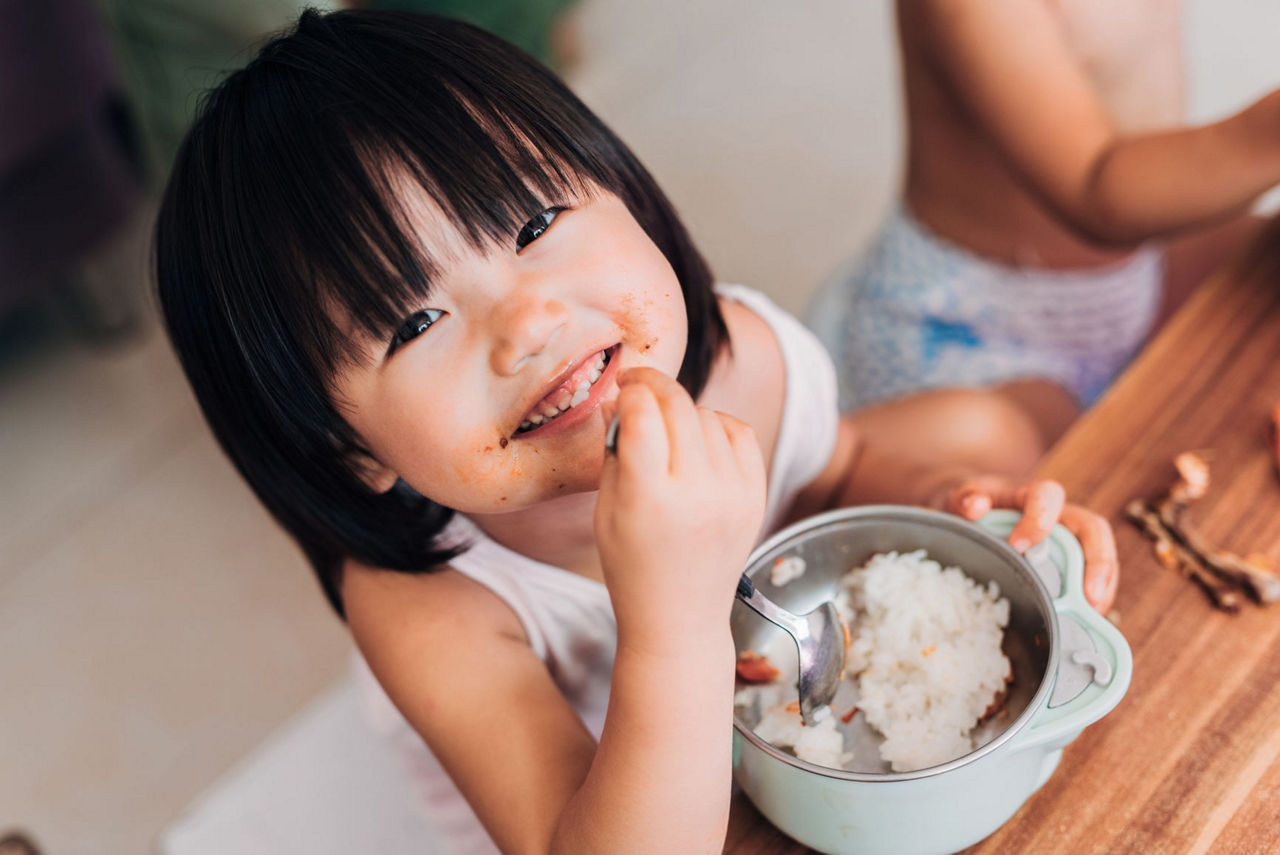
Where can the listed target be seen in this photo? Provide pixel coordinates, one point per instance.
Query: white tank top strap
(807, 432)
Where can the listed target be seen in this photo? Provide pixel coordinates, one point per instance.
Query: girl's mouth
(577, 392)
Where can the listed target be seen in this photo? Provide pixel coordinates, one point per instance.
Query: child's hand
(679, 510)
(1043, 503)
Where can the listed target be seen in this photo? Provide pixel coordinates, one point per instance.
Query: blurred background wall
(154, 624)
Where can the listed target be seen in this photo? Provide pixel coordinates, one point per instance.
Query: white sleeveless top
(568, 618)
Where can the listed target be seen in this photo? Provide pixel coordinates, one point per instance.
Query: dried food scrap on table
(1226, 578)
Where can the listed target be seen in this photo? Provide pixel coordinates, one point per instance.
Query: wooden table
(1189, 762)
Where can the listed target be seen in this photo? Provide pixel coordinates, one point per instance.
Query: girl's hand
(680, 507)
(1043, 503)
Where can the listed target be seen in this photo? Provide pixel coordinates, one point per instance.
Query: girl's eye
(414, 326)
(534, 228)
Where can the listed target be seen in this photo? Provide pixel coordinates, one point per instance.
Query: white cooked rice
(786, 570)
(926, 650)
(780, 725)
(925, 653)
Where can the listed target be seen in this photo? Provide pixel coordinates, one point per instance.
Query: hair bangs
(291, 240)
(360, 244)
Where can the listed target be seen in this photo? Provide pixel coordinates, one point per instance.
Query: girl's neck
(559, 532)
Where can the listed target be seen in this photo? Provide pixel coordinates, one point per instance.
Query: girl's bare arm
(455, 661)
(678, 512)
(469, 684)
(1010, 65)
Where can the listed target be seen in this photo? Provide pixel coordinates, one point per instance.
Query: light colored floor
(155, 625)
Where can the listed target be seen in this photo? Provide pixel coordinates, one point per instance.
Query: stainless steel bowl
(1053, 640)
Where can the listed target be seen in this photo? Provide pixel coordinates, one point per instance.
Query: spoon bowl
(820, 642)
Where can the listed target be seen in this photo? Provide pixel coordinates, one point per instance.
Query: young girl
(411, 278)
(1046, 148)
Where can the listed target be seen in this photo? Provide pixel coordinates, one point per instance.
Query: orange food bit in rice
(755, 668)
(929, 651)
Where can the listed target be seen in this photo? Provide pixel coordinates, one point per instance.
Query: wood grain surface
(1189, 762)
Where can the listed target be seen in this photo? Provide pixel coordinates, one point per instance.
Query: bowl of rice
(969, 667)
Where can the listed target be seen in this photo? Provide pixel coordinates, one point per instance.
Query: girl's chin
(554, 490)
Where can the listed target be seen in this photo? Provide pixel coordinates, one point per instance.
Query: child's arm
(456, 662)
(983, 443)
(679, 510)
(678, 513)
(1008, 62)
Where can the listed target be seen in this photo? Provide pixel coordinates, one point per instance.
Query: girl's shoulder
(387, 609)
(748, 380)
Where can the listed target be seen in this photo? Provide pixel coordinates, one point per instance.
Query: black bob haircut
(280, 209)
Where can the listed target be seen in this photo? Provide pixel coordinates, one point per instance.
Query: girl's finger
(679, 415)
(1101, 563)
(715, 439)
(1041, 504)
(642, 436)
(746, 447)
(971, 501)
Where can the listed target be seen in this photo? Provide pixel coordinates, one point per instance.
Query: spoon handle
(769, 610)
(611, 436)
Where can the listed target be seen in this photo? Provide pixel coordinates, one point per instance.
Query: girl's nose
(524, 328)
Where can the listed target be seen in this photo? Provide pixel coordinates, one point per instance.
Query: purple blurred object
(69, 172)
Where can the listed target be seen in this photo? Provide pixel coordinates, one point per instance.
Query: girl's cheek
(657, 327)
(484, 473)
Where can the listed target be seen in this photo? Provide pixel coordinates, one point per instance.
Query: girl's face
(488, 399)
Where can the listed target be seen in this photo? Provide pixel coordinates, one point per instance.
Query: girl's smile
(575, 393)
(487, 399)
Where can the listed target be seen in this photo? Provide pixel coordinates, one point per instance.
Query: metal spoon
(819, 639)
(818, 635)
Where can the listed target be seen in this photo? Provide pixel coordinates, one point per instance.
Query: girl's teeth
(567, 400)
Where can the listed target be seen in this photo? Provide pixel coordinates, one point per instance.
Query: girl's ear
(377, 477)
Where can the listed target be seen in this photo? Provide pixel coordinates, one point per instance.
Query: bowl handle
(1094, 664)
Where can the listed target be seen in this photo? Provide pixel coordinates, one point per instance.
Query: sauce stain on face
(637, 321)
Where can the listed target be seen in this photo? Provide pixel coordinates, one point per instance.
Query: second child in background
(1055, 206)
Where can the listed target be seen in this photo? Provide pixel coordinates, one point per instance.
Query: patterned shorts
(916, 312)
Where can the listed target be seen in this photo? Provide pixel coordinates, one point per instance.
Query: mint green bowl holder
(964, 801)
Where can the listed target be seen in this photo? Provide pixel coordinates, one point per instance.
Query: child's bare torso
(958, 183)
